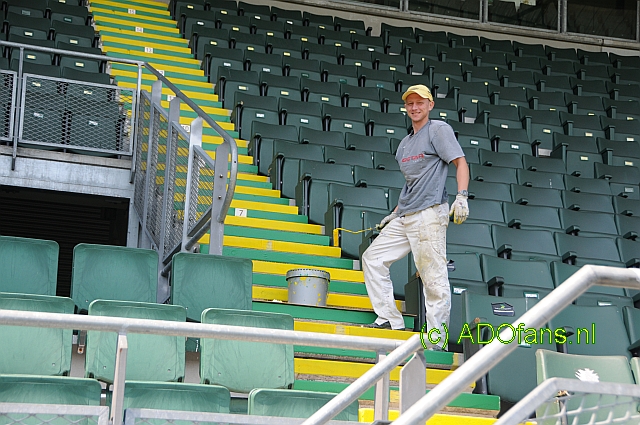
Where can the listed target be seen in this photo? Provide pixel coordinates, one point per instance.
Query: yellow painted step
(106, 3)
(228, 126)
(150, 56)
(242, 159)
(366, 415)
(279, 246)
(166, 91)
(356, 370)
(141, 18)
(146, 43)
(256, 178)
(285, 226)
(143, 35)
(144, 25)
(281, 269)
(360, 302)
(149, 2)
(150, 78)
(216, 140)
(263, 206)
(208, 109)
(330, 328)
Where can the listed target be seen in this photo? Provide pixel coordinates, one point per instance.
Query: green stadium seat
(503, 116)
(284, 47)
(492, 174)
(176, 396)
(346, 120)
(351, 26)
(563, 54)
(418, 55)
(484, 210)
(35, 9)
(487, 190)
(540, 126)
(232, 364)
(219, 57)
(471, 135)
(206, 36)
(368, 177)
(49, 390)
(76, 15)
(283, 152)
(587, 223)
(191, 21)
(576, 184)
(546, 101)
(624, 92)
(580, 153)
(250, 108)
(490, 45)
(113, 273)
(99, 94)
(362, 97)
(150, 357)
(629, 252)
(325, 138)
(231, 81)
(352, 157)
(470, 238)
(584, 105)
(624, 110)
(199, 282)
(343, 74)
(443, 76)
(593, 58)
(53, 355)
(385, 161)
(458, 54)
(514, 140)
(626, 206)
(318, 21)
(29, 266)
(354, 141)
(621, 129)
(301, 114)
(304, 34)
(320, 92)
(310, 189)
(558, 68)
(470, 41)
(513, 278)
(351, 57)
(247, 42)
(82, 64)
(368, 43)
(261, 143)
(468, 95)
(528, 63)
(295, 404)
(254, 10)
(524, 49)
(544, 164)
(235, 25)
(290, 17)
(576, 201)
(270, 29)
(262, 62)
(553, 83)
(378, 78)
(490, 59)
(508, 96)
(580, 250)
(302, 68)
(531, 217)
(628, 226)
(324, 53)
(339, 39)
(522, 79)
(589, 87)
(518, 244)
(384, 62)
(540, 179)
(385, 124)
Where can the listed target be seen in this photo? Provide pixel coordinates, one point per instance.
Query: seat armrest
(569, 257)
(504, 251)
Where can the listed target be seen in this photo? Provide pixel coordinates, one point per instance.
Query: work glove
(386, 221)
(459, 209)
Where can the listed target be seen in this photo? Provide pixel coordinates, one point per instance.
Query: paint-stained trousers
(424, 233)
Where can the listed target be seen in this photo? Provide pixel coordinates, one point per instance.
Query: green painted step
(131, 27)
(335, 286)
(433, 357)
(464, 400)
(183, 87)
(148, 5)
(139, 12)
(273, 216)
(177, 42)
(258, 198)
(286, 257)
(155, 60)
(133, 20)
(211, 132)
(156, 50)
(323, 313)
(276, 235)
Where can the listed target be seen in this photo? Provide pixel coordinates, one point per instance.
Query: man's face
(417, 107)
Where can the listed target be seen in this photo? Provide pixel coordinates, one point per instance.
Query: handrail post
(217, 202)
(19, 117)
(413, 381)
(134, 123)
(381, 400)
(195, 139)
(117, 407)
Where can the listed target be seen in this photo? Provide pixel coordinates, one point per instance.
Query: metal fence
(39, 414)
(7, 103)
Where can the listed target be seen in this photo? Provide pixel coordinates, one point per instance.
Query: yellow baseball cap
(419, 89)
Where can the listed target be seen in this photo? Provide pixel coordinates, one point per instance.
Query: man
(419, 222)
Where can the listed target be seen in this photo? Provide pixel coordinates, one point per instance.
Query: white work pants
(424, 233)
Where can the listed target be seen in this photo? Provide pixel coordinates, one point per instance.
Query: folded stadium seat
(249, 108)
(175, 5)
(350, 57)
(231, 81)
(394, 37)
(578, 152)
(504, 116)
(629, 253)
(245, 41)
(345, 120)
(322, 92)
(284, 47)
(76, 15)
(587, 202)
(444, 109)
(385, 124)
(596, 295)
(343, 74)
(540, 179)
(540, 126)
(270, 29)
(589, 87)
(631, 317)
(92, 93)
(484, 190)
(235, 24)
(459, 55)
(553, 83)
(624, 75)
(256, 11)
(611, 369)
(622, 110)
(497, 159)
(354, 141)
(324, 53)
(593, 58)
(626, 206)
(514, 278)
(479, 308)
(508, 96)
(363, 97)
(339, 39)
(417, 55)
(525, 49)
(558, 68)
(588, 185)
(303, 34)
(622, 61)
(561, 54)
(545, 164)
(191, 21)
(584, 105)
(36, 8)
(494, 59)
(622, 179)
(523, 79)
(544, 197)
(581, 125)
(503, 12)
(470, 238)
(384, 62)
(613, 341)
(31, 56)
(621, 129)
(311, 189)
(368, 43)
(469, 41)
(628, 226)
(484, 74)
(542, 101)
(301, 68)
(368, 177)
(443, 76)
(274, 84)
(351, 26)
(514, 140)
(385, 161)
(262, 62)
(492, 174)
(587, 223)
(283, 151)
(470, 154)
(491, 45)
(471, 135)
(484, 210)
(467, 96)
(623, 92)
(580, 250)
(113, 273)
(531, 217)
(380, 79)
(596, 72)
(519, 244)
(80, 63)
(29, 266)
(290, 17)
(335, 155)
(525, 63)
(77, 35)
(295, 404)
(43, 111)
(150, 357)
(217, 58)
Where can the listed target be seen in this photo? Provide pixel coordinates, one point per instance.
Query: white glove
(386, 221)
(459, 209)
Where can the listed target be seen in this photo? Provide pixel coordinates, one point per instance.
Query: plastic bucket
(308, 287)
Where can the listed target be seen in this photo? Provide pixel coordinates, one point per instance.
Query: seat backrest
(378, 178)
(536, 196)
(28, 265)
(323, 171)
(35, 350)
(524, 241)
(531, 216)
(150, 357)
(233, 364)
(113, 273)
(589, 250)
(372, 197)
(295, 404)
(199, 282)
(532, 275)
(49, 390)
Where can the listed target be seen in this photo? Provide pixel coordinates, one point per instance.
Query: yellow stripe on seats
(342, 275)
(360, 302)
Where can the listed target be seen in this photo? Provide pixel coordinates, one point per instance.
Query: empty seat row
(69, 12)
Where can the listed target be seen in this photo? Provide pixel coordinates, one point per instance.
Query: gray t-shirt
(424, 160)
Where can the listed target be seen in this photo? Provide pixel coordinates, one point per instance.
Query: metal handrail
(490, 355)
